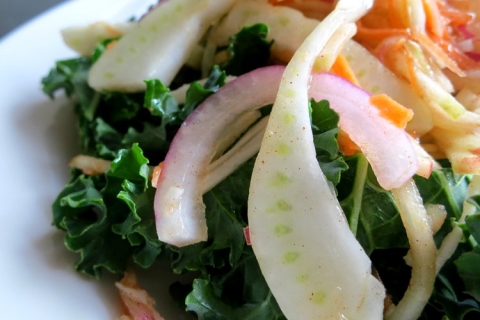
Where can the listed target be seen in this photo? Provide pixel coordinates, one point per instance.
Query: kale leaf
(109, 218)
(248, 50)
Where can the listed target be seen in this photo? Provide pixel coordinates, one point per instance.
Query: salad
(297, 159)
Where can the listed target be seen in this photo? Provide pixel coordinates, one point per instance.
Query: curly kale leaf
(109, 219)
(248, 50)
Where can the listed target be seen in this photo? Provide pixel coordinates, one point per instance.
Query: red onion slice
(387, 148)
(179, 208)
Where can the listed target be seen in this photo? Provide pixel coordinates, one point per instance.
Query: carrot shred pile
(391, 19)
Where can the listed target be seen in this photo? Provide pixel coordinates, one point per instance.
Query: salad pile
(297, 159)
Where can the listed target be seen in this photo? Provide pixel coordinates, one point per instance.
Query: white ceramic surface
(37, 138)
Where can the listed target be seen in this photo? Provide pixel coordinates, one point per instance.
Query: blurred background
(13, 13)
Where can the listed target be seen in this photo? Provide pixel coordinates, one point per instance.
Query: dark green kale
(325, 132)
(248, 50)
(109, 219)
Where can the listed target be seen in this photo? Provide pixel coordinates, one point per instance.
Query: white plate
(37, 140)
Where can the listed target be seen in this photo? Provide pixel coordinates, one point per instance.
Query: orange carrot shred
(433, 22)
(346, 145)
(112, 32)
(372, 37)
(439, 41)
(475, 151)
(462, 60)
(156, 174)
(391, 110)
(112, 44)
(394, 15)
(456, 17)
(453, 15)
(434, 47)
(342, 68)
(412, 76)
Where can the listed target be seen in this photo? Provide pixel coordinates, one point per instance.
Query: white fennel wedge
(158, 46)
(311, 261)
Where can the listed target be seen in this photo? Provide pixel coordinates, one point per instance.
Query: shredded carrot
(391, 52)
(111, 44)
(112, 32)
(342, 68)
(372, 37)
(475, 151)
(377, 17)
(434, 23)
(346, 145)
(453, 15)
(457, 55)
(456, 17)
(387, 19)
(434, 47)
(156, 174)
(395, 11)
(391, 110)
(412, 77)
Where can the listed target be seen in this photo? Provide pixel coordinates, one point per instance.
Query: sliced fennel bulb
(311, 261)
(157, 47)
